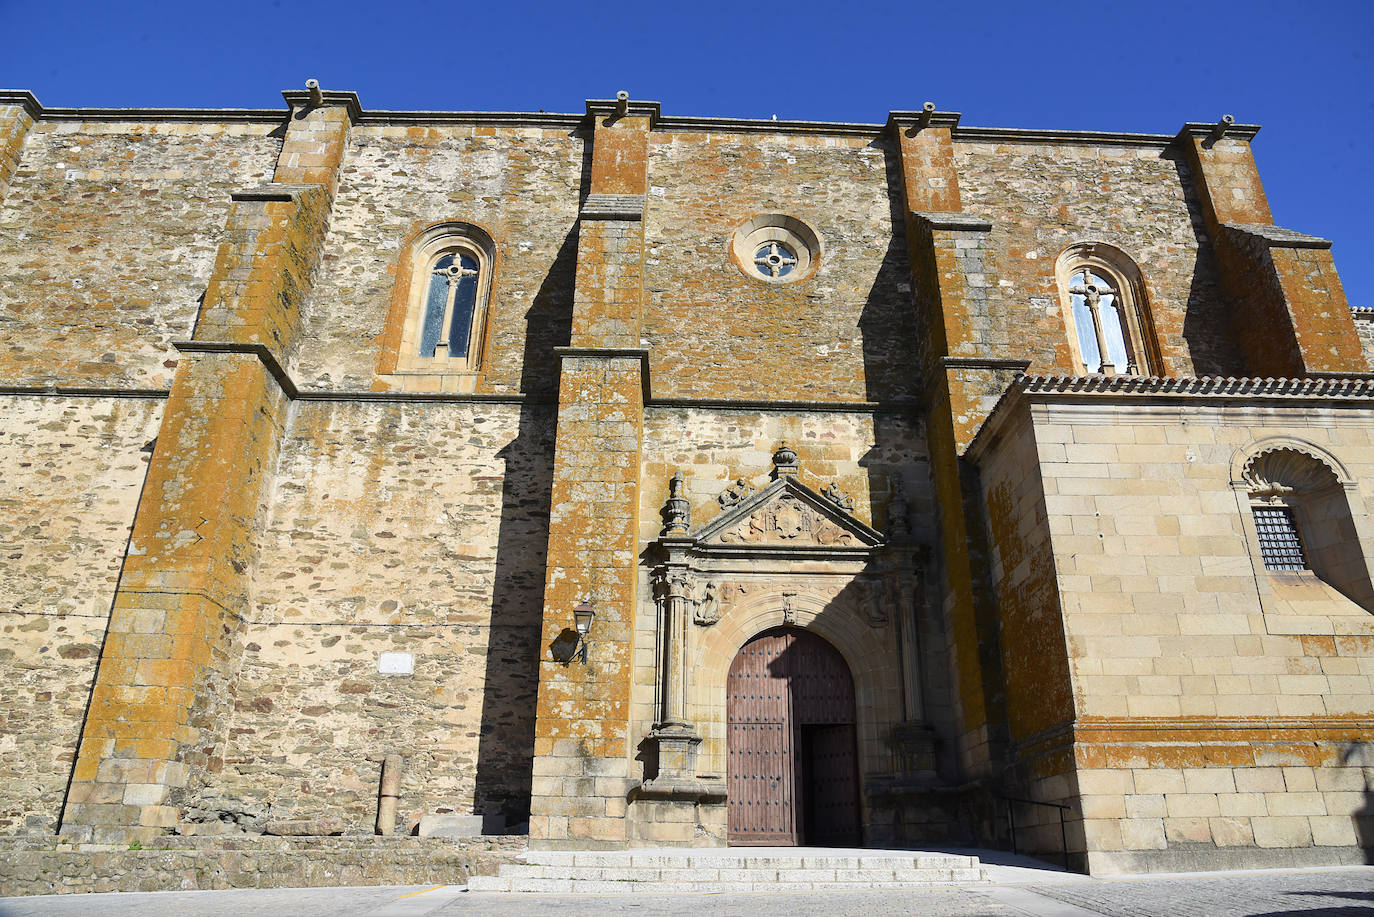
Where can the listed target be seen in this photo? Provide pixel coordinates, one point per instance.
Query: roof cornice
(1218, 129)
(24, 98)
(218, 115)
(304, 99)
(1040, 136)
(504, 118)
(1326, 389)
(653, 110)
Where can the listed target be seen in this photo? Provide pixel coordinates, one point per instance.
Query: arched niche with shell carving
(1302, 521)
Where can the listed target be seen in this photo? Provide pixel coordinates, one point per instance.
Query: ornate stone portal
(784, 555)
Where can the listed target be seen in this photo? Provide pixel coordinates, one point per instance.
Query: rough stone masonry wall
(1043, 198)
(416, 528)
(1364, 325)
(520, 184)
(47, 867)
(1212, 730)
(846, 333)
(107, 236)
(73, 471)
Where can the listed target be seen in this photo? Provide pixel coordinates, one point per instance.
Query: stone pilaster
(18, 111)
(583, 748)
(1288, 307)
(158, 713)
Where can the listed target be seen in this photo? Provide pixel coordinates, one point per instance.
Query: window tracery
(1104, 308)
(448, 285)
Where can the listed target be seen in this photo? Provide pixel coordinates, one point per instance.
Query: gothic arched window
(450, 268)
(1104, 308)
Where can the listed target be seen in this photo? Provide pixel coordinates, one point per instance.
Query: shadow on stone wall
(1207, 327)
(505, 752)
(1356, 754)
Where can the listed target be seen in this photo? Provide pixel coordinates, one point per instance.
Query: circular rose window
(776, 248)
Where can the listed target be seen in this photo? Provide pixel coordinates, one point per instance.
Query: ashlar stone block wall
(1219, 712)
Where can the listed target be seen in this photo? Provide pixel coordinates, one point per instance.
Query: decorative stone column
(674, 734)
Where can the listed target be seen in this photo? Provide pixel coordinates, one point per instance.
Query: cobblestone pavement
(1330, 892)
(1270, 893)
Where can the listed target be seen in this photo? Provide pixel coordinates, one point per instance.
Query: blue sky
(1303, 71)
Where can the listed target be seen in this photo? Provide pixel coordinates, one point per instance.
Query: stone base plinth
(43, 866)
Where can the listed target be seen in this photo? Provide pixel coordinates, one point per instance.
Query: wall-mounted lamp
(583, 616)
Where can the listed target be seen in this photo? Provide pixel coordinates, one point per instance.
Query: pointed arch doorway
(792, 767)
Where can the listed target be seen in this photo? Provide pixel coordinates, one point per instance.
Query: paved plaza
(1017, 889)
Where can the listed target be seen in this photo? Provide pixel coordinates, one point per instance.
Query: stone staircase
(737, 869)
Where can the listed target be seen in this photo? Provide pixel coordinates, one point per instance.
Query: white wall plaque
(396, 663)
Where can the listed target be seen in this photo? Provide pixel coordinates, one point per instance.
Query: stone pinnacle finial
(785, 463)
(677, 511)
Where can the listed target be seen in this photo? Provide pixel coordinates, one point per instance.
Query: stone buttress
(1288, 308)
(966, 362)
(156, 722)
(582, 742)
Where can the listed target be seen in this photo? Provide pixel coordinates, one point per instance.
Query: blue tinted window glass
(1113, 333)
(435, 300)
(464, 302)
(1083, 325)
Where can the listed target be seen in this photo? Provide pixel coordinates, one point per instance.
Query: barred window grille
(1278, 538)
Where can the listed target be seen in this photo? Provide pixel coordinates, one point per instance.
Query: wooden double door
(792, 768)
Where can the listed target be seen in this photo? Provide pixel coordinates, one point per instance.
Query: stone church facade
(650, 480)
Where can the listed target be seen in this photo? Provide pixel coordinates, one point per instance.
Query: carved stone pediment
(788, 514)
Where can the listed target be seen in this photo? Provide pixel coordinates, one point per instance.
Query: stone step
(741, 874)
(640, 871)
(708, 860)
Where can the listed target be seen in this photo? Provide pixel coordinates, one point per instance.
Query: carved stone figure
(841, 499)
(789, 609)
(736, 494)
(873, 595)
(898, 524)
(708, 606)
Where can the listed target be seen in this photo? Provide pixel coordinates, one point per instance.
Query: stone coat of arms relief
(790, 520)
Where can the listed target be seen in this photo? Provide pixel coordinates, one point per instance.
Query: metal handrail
(1011, 823)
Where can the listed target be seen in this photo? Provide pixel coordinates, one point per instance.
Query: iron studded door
(792, 772)
(760, 775)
